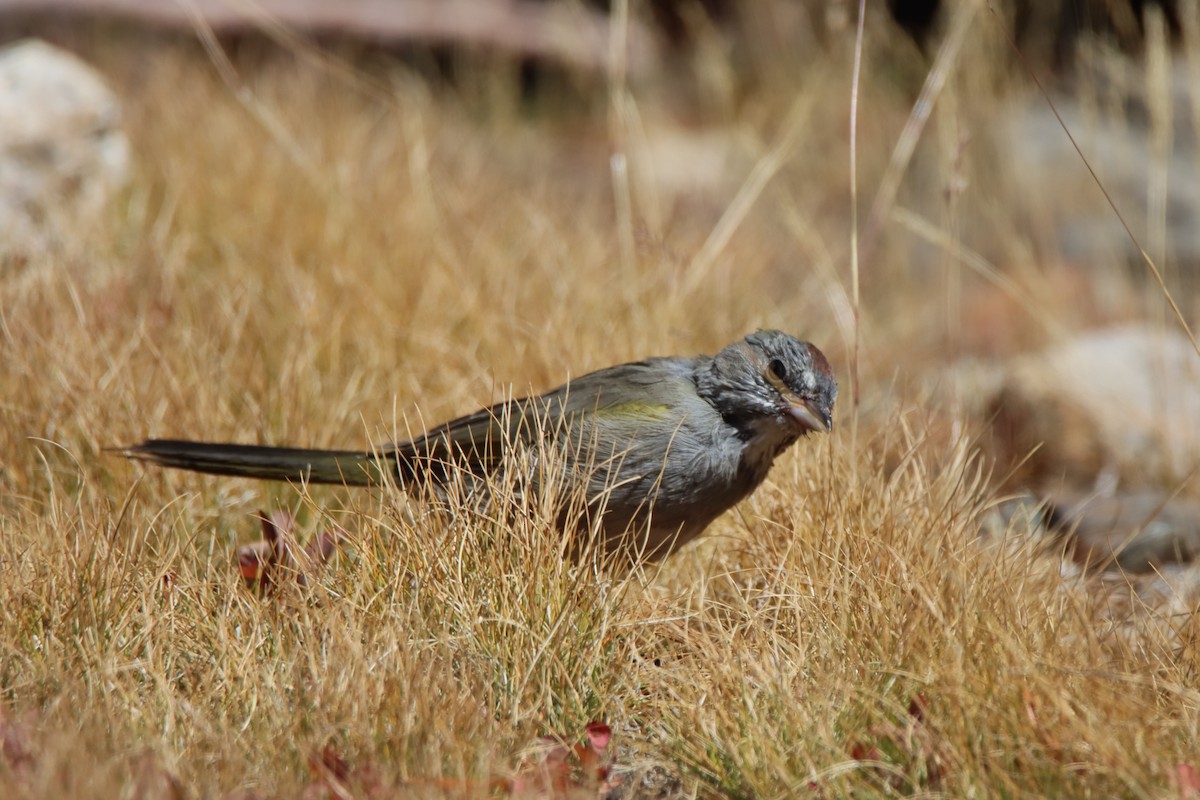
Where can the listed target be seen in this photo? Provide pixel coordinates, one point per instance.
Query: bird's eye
(779, 368)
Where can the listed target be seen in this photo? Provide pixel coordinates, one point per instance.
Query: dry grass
(388, 252)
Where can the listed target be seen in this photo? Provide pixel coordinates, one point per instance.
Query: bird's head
(772, 385)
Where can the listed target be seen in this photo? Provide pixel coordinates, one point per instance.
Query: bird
(656, 449)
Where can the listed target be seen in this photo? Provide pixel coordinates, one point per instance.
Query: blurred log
(561, 32)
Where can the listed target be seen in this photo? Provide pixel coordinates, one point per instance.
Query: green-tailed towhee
(659, 448)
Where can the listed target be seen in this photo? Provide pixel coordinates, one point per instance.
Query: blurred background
(328, 224)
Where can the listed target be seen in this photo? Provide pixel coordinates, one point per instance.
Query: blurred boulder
(1121, 401)
(1137, 131)
(1136, 531)
(1133, 553)
(62, 150)
(1139, 531)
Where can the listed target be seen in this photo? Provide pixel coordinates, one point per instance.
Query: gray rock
(1136, 531)
(1124, 401)
(1139, 138)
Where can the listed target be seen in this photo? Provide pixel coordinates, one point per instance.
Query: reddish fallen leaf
(549, 771)
(16, 742)
(918, 707)
(328, 763)
(153, 781)
(335, 779)
(1187, 778)
(254, 560)
(599, 735)
(864, 752)
(592, 756)
(917, 745)
(278, 554)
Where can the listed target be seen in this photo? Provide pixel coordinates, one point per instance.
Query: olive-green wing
(635, 393)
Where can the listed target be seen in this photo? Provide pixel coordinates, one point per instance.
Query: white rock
(1125, 399)
(62, 150)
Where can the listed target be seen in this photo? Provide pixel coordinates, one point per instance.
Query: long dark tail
(343, 467)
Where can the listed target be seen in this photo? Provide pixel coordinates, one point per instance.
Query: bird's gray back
(609, 434)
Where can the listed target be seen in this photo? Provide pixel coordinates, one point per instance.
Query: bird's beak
(810, 416)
